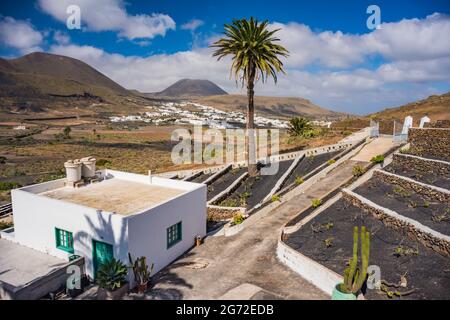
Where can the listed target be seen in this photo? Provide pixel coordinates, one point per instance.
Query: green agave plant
(112, 275)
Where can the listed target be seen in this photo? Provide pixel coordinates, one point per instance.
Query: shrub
(112, 275)
(103, 162)
(238, 219)
(66, 132)
(299, 181)
(5, 225)
(377, 159)
(6, 186)
(276, 198)
(2, 160)
(404, 150)
(329, 242)
(229, 203)
(358, 171)
(346, 133)
(331, 161)
(316, 203)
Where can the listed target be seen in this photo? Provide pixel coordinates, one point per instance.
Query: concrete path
(374, 148)
(220, 267)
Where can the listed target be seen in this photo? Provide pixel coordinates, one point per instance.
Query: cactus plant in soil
(141, 271)
(354, 276)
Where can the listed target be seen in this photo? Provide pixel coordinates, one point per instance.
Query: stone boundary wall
(436, 193)
(217, 213)
(411, 228)
(422, 164)
(433, 142)
(440, 124)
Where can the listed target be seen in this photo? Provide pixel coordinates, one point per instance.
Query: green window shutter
(64, 240)
(174, 234)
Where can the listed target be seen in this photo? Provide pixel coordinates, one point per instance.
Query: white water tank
(88, 167)
(73, 171)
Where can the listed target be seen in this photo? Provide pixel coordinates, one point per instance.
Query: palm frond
(253, 49)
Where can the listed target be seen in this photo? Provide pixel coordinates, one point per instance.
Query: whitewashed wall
(143, 234)
(148, 231)
(36, 217)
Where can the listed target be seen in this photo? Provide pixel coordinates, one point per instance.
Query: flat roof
(116, 195)
(20, 265)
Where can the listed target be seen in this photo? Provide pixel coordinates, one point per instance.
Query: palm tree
(298, 126)
(255, 55)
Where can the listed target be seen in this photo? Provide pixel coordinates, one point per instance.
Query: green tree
(255, 55)
(298, 126)
(66, 132)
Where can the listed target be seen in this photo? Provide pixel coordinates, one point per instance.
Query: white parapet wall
(312, 271)
(275, 158)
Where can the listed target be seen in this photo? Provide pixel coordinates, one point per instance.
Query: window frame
(171, 240)
(64, 240)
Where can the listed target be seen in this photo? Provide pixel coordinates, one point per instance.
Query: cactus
(141, 270)
(355, 277)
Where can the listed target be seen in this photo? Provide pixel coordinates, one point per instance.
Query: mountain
(40, 82)
(271, 107)
(68, 70)
(192, 88)
(437, 107)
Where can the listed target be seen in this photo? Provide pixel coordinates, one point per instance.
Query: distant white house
(115, 214)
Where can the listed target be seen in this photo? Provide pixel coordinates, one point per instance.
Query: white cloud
(61, 37)
(192, 25)
(20, 35)
(111, 15)
(411, 39)
(414, 62)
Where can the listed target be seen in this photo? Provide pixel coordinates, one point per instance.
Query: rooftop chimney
(88, 167)
(73, 171)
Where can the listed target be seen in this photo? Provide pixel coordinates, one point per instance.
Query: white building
(121, 213)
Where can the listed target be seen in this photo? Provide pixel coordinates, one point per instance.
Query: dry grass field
(27, 158)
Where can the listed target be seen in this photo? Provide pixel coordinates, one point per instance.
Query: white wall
(36, 217)
(148, 231)
(143, 234)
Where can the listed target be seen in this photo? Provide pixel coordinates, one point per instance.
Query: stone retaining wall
(432, 192)
(421, 164)
(433, 142)
(441, 124)
(402, 224)
(222, 214)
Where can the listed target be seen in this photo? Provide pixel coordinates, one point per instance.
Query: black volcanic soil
(409, 204)
(428, 177)
(427, 272)
(308, 164)
(201, 178)
(224, 182)
(257, 188)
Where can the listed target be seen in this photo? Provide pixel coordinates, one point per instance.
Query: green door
(102, 253)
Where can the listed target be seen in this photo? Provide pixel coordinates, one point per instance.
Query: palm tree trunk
(251, 145)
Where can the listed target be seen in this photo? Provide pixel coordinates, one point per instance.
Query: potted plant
(112, 280)
(354, 276)
(141, 272)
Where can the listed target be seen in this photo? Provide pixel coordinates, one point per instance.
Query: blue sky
(336, 61)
